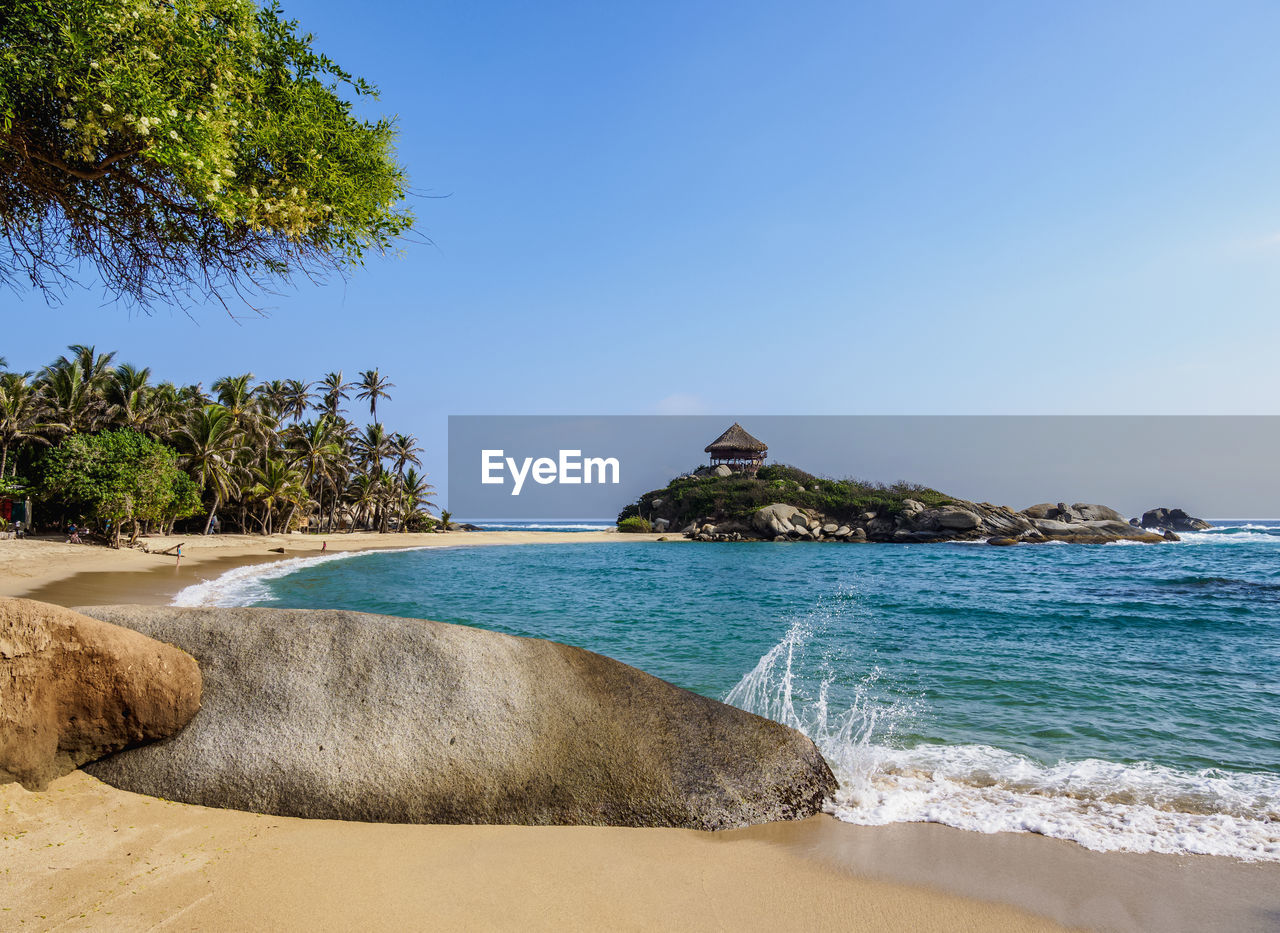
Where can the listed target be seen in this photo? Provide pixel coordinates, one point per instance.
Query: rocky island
(783, 503)
(737, 497)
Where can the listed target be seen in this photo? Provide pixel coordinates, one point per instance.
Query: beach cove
(819, 872)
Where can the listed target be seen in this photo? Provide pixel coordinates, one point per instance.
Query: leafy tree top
(118, 476)
(185, 148)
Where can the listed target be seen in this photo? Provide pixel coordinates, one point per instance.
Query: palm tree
(273, 396)
(276, 483)
(234, 393)
(363, 496)
(334, 392)
(96, 366)
(415, 495)
(234, 444)
(253, 420)
(388, 498)
(209, 442)
(167, 408)
(315, 447)
(127, 394)
(19, 415)
(373, 446)
(404, 450)
(373, 386)
(297, 399)
(69, 398)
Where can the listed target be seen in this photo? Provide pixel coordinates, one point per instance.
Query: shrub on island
(635, 525)
(738, 496)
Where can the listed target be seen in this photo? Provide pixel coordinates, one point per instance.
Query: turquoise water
(1121, 695)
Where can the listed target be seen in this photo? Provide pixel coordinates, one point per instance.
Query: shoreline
(88, 575)
(193, 867)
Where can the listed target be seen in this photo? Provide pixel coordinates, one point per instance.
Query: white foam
(245, 586)
(1102, 805)
(1227, 536)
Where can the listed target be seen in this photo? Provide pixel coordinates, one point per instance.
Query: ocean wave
(1230, 536)
(1102, 805)
(245, 586)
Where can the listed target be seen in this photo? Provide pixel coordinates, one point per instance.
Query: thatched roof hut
(737, 450)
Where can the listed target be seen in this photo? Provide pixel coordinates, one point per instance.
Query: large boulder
(73, 689)
(957, 519)
(1079, 512)
(1040, 510)
(1173, 520)
(345, 715)
(945, 518)
(1099, 532)
(775, 519)
(1092, 512)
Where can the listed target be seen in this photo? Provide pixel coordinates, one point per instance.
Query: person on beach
(73, 535)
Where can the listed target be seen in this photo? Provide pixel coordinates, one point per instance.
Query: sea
(1123, 696)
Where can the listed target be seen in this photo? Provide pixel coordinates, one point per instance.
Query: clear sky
(786, 208)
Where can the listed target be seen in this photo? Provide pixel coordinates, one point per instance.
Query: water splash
(853, 714)
(844, 702)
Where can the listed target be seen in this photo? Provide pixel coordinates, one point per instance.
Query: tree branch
(90, 174)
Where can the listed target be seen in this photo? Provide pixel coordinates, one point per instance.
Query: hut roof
(736, 439)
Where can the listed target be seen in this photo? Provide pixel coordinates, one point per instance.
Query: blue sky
(787, 208)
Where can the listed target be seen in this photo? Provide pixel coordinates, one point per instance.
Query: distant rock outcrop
(1082, 523)
(784, 503)
(73, 689)
(345, 715)
(1172, 520)
(1080, 512)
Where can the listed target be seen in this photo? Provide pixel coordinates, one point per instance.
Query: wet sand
(83, 855)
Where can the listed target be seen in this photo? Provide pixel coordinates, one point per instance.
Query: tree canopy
(119, 476)
(94, 440)
(186, 149)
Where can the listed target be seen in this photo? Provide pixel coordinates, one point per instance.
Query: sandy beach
(83, 855)
(85, 575)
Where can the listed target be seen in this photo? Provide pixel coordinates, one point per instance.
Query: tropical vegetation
(186, 150)
(92, 440)
(703, 495)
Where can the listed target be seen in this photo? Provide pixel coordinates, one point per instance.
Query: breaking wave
(1102, 805)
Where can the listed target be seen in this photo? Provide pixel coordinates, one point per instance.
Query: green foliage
(738, 495)
(419, 521)
(118, 476)
(14, 487)
(785, 473)
(252, 459)
(634, 525)
(186, 146)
